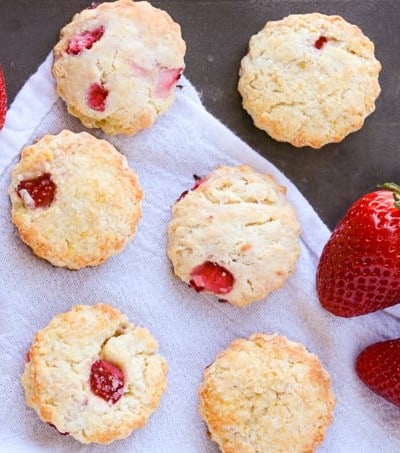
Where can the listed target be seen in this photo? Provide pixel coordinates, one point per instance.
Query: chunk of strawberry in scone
(198, 181)
(107, 381)
(166, 80)
(85, 40)
(211, 277)
(320, 42)
(96, 97)
(37, 192)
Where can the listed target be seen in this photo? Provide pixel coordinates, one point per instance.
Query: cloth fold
(191, 328)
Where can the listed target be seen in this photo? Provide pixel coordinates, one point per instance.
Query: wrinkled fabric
(191, 328)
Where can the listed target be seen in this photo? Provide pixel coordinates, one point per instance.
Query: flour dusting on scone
(266, 394)
(309, 79)
(234, 235)
(116, 65)
(93, 375)
(74, 199)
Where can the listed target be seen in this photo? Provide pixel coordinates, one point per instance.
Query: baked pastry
(116, 65)
(309, 79)
(93, 375)
(74, 199)
(266, 394)
(234, 235)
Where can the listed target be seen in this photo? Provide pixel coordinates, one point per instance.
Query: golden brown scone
(93, 375)
(74, 199)
(234, 235)
(309, 79)
(266, 394)
(116, 65)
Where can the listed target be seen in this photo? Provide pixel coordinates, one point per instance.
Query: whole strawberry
(378, 366)
(359, 268)
(3, 99)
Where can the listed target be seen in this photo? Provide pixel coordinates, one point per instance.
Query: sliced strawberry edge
(3, 99)
(55, 427)
(211, 277)
(166, 80)
(198, 181)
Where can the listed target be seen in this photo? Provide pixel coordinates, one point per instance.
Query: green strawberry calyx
(395, 188)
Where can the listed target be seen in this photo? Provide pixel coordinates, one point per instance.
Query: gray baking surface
(217, 34)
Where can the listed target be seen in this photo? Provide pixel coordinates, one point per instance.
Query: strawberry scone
(74, 199)
(266, 394)
(309, 79)
(234, 235)
(116, 65)
(93, 375)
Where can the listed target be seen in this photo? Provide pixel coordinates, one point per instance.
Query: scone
(309, 79)
(74, 199)
(234, 235)
(116, 65)
(93, 375)
(266, 394)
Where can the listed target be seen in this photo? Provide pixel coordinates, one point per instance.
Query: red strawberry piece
(55, 427)
(3, 99)
(107, 381)
(198, 181)
(96, 97)
(378, 366)
(320, 42)
(166, 80)
(211, 277)
(84, 40)
(37, 192)
(359, 268)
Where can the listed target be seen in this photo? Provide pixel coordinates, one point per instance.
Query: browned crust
(46, 375)
(213, 221)
(285, 107)
(90, 224)
(238, 383)
(157, 25)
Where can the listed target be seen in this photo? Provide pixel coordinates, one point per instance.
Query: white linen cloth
(191, 328)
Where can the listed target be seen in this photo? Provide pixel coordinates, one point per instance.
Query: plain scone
(266, 394)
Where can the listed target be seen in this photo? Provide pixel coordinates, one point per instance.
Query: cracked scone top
(93, 375)
(234, 235)
(74, 199)
(309, 79)
(266, 394)
(116, 65)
